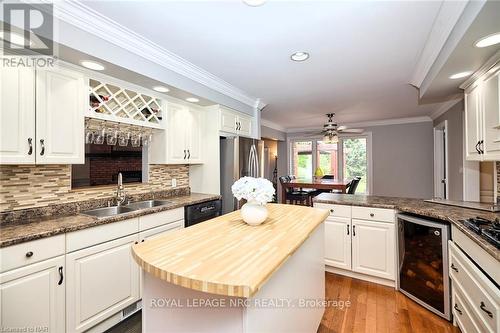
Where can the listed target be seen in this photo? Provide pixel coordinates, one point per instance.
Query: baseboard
(359, 276)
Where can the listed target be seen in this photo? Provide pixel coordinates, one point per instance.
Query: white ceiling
(362, 53)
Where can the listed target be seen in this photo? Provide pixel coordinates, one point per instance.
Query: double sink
(117, 210)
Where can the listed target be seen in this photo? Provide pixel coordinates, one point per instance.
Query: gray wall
(455, 118)
(402, 157)
(271, 133)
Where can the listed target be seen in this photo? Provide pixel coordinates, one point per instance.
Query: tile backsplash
(29, 186)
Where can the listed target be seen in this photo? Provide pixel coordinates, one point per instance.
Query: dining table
(318, 184)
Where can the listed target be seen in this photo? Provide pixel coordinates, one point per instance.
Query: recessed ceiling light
(92, 65)
(254, 3)
(192, 99)
(14, 38)
(161, 89)
(460, 75)
(299, 56)
(489, 40)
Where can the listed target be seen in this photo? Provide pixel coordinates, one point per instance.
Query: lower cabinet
(101, 280)
(32, 297)
(338, 242)
(373, 248)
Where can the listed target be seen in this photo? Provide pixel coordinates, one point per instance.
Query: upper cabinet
(482, 117)
(235, 122)
(181, 142)
(32, 124)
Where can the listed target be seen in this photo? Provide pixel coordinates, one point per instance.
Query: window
(346, 159)
(302, 159)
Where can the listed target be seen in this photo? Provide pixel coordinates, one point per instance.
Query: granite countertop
(226, 256)
(41, 227)
(451, 214)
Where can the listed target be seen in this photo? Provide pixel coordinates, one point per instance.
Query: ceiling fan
(331, 130)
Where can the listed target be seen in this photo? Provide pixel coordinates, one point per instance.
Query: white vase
(253, 213)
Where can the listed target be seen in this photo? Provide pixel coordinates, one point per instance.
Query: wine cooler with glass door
(423, 263)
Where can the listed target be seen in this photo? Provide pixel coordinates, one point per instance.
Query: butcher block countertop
(225, 256)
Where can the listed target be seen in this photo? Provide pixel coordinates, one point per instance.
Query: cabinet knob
(372, 215)
(331, 210)
(142, 241)
(136, 242)
(29, 254)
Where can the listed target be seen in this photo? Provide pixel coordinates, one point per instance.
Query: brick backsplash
(29, 186)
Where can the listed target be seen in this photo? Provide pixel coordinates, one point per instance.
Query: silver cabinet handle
(42, 144)
(454, 268)
(457, 309)
(347, 225)
(488, 312)
(30, 143)
(354, 230)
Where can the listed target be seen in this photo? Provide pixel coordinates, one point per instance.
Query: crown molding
(448, 15)
(396, 121)
(488, 65)
(81, 16)
(270, 124)
(445, 107)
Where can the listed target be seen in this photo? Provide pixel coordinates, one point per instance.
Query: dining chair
(295, 197)
(328, 177)
(353, 185)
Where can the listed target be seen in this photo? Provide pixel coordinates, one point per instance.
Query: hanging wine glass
(123, 138)
(112, 136)
(100, 135)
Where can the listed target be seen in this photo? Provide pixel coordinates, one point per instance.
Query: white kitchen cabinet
(235, 122)
(101, 281)
(338, 242)
(17, 115)
(181, 142)
(60, 105)
(32, 297)
(42, 116)
(482, 117)
(373, 248)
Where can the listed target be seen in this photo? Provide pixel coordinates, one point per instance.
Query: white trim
(445, 107)
(442, 127)
(359, 276)
(396, 121)
(92, 22)
(447, 17)
(489, 64)
(270, 124)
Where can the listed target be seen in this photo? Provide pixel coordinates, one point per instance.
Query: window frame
(340, 152)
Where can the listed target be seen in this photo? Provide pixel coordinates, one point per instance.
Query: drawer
(483, 295)
(462, 313)
(335, 210)
(158, 219)
(104, 233)
(374, 214)
(31, 252)
(154, 232)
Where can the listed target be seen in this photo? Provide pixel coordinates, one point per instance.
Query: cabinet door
(101, 281)
(228, 121)
(338, 242)
(178, 125)
(491, 118)
(17, 116)
(32, 297)
(472, 123)
(194, 136)
(245, 125)
(373, 248)
(60, 107)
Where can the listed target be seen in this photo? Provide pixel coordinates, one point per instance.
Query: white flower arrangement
(258, 190)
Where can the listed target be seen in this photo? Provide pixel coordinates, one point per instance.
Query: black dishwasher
(197, 213)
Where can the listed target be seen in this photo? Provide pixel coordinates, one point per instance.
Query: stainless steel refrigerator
(239, 157)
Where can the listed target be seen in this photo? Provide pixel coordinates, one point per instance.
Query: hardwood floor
(373, 308)
(376, 308)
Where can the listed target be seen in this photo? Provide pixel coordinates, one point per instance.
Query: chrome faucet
(121, 195)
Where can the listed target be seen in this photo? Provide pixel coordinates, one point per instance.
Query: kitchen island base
(290, 301)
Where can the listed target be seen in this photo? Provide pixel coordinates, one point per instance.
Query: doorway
(441, 189)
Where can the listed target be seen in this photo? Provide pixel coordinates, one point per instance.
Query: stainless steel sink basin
(148, 204)
(108, 211)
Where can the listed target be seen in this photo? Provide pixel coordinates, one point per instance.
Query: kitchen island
(226, 276)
